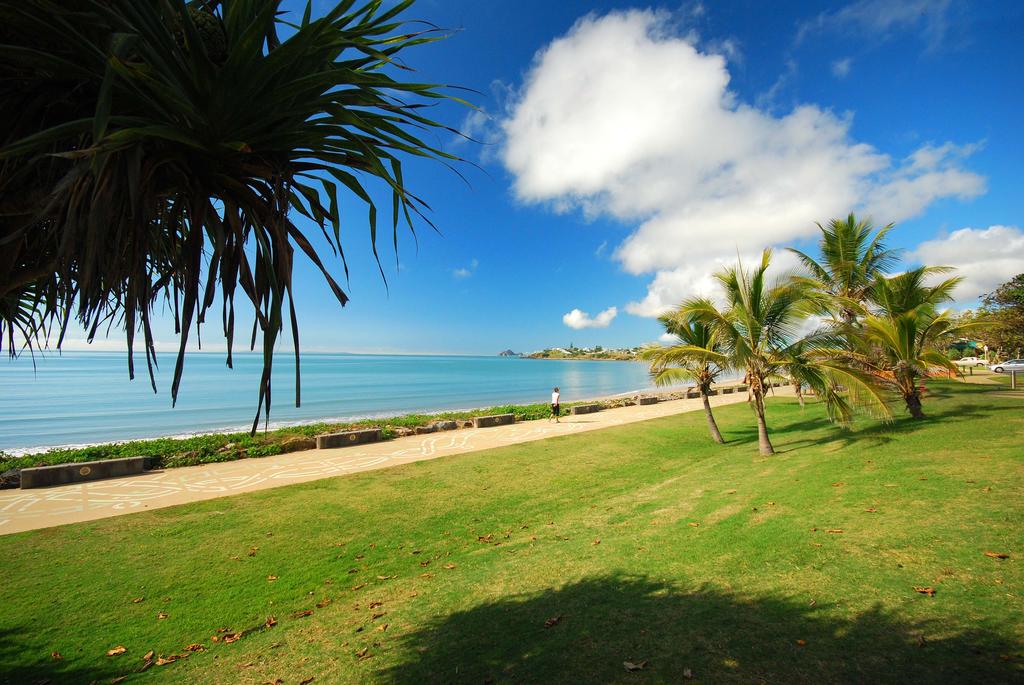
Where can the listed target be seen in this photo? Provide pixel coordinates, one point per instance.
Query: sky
(624, 151)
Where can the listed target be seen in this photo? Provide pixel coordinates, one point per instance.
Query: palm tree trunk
(799, 392)
(764, 445)
(716, 435)
(913, 400)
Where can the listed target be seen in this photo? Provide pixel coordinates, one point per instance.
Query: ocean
(80, 398)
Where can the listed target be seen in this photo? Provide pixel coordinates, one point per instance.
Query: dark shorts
(555, 409)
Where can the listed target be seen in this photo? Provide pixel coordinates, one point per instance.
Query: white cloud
(672, 286)
(623, 118)
(841, 67)
(600, 248)
(579, 319)
(466, 272)
(984, 257)
(881, 19)
(667, 338)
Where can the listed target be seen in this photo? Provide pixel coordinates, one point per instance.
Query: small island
(595, 353)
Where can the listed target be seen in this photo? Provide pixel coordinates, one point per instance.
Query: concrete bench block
(585, 409)
(347, 438)
(693, 394)
(728, 391)
(445, 425)
(495, 420)
(741, 388)
(647, 400)
(712, 392)
(43, 476)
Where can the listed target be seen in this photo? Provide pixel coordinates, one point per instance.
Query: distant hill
(510, 353)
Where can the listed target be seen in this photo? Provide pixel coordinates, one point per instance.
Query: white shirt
(554, 397)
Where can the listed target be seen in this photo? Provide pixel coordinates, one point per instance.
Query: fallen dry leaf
(362, 652)
(137, 600)
(148, 655)
(358, 587)
(162, 615)
(307, 681)
(233, 637)
(693, 524)
(597, 541)
(271, 579)
(223, 630)
(382, 627)
(835, 531)
(119, 679)
(374, 605)
(56, 656)
(425, 562)
(553, 621)
(426, 575)
(271, 622)
(485, 538)
(300, 614)
(997, 555)
(195, 647)
(120, 649)
(871, 510)
(323, 602)
(930, 591)
(838, 485)
(449, 566)
(921, 642)
(252, 551)
(379, 615)
(801, 643)
(169, 659)
(630, 666)
(275, 681)
(386, 577)
(688, 674)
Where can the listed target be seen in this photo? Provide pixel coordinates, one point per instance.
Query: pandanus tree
(758, 328)
(852, 258)
(693, 355)
(162, 152)
(896, 343)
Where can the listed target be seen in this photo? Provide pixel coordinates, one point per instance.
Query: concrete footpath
(22, 510)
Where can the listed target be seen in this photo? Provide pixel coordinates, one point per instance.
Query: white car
(1009, 365)
(971, 361)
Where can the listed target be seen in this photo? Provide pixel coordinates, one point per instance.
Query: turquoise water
(85, 397)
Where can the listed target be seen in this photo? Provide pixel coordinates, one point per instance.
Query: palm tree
(758, 331)
(695, 355)
(897, 338)
(852, 259)
(160, 152)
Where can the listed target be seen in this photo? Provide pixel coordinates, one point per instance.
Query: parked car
(1010, 365)
(971, 361)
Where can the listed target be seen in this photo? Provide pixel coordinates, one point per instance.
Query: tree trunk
(913, 401)
(716, 435)
(764, 445)
(799, 392)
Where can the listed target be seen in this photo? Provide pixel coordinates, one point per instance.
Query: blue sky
(629, 149)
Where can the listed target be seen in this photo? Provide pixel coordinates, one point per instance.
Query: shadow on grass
(870, 436)
(718, 636)
(18, 668)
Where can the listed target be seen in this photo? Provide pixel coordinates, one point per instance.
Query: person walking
(556, 409)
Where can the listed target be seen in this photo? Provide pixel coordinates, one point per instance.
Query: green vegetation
(645, 544)
(156, 153)
(695, 355)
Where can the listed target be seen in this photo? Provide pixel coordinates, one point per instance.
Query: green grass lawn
(559, 560)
